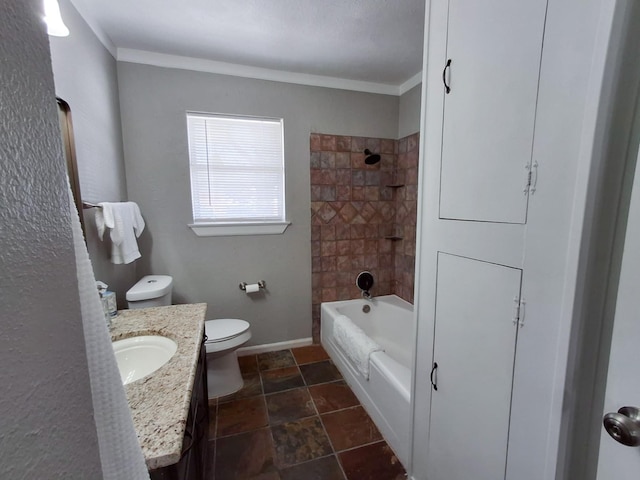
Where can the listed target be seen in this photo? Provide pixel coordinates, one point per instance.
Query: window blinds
(237, 168)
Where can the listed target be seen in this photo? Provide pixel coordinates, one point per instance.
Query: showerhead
(371, 158)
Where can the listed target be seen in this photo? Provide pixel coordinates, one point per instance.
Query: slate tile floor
(295, 419)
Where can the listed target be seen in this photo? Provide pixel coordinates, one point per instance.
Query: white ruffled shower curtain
(120, 453)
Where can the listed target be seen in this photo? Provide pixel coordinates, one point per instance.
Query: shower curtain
(120, 453)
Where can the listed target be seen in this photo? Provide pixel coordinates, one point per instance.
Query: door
(474, 348)
(494, 49)
(617, 461)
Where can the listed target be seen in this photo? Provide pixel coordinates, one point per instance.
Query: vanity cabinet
(193, 462)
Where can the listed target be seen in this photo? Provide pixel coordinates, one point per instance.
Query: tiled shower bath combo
(363, 217)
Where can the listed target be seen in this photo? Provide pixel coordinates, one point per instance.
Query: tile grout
(324, 429)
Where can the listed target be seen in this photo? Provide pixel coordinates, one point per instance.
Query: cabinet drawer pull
(433, 372)
(447, 88)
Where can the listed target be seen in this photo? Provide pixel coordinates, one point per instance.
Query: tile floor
(295, 419)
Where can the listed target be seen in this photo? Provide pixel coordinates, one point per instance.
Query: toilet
(150, 291)
(223, 336)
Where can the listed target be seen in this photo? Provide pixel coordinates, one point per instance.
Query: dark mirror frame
(66, 129)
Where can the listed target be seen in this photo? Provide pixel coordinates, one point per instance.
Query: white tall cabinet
(507, 88)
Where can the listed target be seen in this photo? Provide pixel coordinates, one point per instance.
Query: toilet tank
(150, 291)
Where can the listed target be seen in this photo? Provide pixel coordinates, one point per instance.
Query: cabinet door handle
(447, 88)
(433, 372)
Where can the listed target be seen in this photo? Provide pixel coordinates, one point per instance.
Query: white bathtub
(387, 394)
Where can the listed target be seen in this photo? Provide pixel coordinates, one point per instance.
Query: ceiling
(374, 41)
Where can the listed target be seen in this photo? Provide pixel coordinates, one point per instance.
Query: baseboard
(273, 347)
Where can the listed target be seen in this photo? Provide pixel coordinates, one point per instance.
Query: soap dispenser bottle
(108, 299)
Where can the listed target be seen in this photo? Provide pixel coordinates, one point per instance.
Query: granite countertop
(159, 403)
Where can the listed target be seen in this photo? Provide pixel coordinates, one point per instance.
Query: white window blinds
(237, 169)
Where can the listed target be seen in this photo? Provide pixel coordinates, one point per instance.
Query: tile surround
(406, 215)
(314, 432)
(353, 209)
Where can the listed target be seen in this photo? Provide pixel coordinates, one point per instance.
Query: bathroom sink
(140, 356)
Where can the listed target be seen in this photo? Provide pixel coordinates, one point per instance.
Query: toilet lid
(224, 329)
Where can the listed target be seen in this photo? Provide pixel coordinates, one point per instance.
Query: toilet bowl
(224, 337)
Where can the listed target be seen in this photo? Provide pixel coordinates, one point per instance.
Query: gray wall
(409, 114)
(153, 103)
(46, 426)
(85, 76)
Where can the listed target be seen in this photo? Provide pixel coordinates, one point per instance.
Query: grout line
(324, 429)
(363, 445)
(343, 409)
(313, 460)
(326, 383)
(277, 368)
(242, 433)
(286, 390)
(295, 420)
(335, 453)
(317, 414)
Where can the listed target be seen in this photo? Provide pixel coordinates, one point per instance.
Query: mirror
(68, 145)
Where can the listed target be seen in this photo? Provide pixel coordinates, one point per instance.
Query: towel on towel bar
(356, 344)
(126, 224)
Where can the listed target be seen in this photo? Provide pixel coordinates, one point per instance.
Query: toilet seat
(223, 329)
(226, 334)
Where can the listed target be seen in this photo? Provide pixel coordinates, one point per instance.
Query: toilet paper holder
(262, 284)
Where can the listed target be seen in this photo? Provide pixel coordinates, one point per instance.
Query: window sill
(235, 229)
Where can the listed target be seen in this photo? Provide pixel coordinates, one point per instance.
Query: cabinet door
(495, 48)
(475, 341)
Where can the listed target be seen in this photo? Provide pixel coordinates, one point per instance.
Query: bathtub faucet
(364, 281)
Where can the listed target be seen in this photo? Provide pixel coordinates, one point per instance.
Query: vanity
(170, 406)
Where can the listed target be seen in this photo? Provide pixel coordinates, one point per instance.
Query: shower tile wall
(354, 211)
(406, 203)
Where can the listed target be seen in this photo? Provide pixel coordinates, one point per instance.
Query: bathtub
(387, 394)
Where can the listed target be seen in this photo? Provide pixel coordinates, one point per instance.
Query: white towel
(126, 224)
(120, 452)
(356, 344)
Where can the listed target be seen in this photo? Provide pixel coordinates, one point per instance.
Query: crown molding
(222, 68)
(409, 84)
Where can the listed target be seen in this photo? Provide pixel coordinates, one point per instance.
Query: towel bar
(87, 205)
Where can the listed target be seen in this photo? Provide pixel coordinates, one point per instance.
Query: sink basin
(140, 356)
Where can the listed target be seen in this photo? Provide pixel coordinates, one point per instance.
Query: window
(237, 174)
